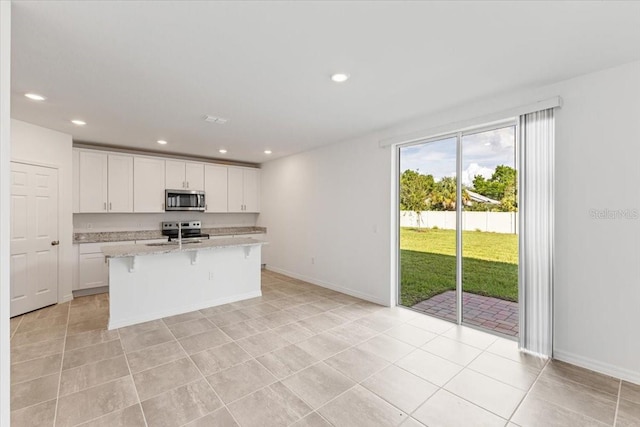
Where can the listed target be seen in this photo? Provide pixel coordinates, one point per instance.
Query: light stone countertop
(122, 236)
(121, 251)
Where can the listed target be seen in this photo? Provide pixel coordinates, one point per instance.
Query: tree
(501, 186)
(415, 189)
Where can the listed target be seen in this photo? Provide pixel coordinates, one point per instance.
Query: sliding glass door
(458, 252)
(428, 187)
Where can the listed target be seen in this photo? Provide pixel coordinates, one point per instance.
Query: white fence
(496, 222)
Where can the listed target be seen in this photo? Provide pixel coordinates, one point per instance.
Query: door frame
(59, 298)
(395, 170)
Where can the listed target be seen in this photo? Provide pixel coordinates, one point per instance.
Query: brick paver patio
(489, 313)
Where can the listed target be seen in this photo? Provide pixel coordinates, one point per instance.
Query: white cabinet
(76, 180)
(194, 176)
(109, 182)
(120, 183)
(93, 270)
(215, 187)
(184, 175)
(93, 182)
(105, 182)
(243, 189)
(148, 187)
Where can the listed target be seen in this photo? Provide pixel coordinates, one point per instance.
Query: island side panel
(164, 285)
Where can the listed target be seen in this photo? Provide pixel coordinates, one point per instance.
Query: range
(191, 230)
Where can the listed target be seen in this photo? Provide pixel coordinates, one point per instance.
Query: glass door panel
(490, 230)
(428, 184)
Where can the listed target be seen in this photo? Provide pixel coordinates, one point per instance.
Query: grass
(428, 264)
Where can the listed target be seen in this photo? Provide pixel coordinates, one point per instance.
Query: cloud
(475, 169)
(481, 153)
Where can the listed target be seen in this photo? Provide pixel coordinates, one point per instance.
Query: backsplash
(135, 222)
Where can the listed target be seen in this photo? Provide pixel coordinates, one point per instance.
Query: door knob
(55, 243)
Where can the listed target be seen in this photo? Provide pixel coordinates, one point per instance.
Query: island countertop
(121, 251)
(120, 236)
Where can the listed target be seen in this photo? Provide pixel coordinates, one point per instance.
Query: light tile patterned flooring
(299, 355)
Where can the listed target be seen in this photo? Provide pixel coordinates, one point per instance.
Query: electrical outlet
(89, 226)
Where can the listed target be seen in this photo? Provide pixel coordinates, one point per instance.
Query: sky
(481, 153)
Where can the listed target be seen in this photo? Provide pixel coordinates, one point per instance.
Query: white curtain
(536, 158)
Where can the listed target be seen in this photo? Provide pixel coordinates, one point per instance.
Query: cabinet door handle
(105, 206)
(55, 243)
(110, 208)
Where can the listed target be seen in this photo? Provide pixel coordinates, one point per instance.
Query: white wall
(45, 147)
(5, 202)
(331, 205)
(597, 268)
(87, 223)
(325, 204)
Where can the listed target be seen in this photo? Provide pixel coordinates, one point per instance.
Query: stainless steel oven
(184, 200)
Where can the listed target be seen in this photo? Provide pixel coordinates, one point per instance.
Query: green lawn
(428, 264)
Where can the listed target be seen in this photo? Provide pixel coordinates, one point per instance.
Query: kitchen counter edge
(122, 251)
(122, 236)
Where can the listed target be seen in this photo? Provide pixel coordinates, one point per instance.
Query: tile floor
(299, 355)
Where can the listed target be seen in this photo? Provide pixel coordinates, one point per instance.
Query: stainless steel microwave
(184, 200)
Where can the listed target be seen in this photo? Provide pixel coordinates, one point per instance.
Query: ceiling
(137, 72)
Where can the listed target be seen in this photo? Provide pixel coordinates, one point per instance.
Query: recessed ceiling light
(78, 122)
(340, 77)
(222, 151)
(267, 151)
(162, 142)
(35, 96)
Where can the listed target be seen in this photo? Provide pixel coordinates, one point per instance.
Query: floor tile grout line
(529, 391)
(203, 377)
(126, 358)
(549, 361)
(615, 416)
(64, 345)
(557, 378)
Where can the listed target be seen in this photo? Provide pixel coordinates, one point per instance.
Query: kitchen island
(152, 281)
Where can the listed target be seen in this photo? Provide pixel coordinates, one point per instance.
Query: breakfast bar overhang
(149, 282)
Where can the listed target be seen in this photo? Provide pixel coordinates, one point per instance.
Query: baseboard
(90, 291)
(66, 298)
(594, 365)
(180, 310)
(328, 285)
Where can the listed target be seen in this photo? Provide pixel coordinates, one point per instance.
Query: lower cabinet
(93, 271)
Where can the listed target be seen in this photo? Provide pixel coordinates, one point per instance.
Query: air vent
(214, 119)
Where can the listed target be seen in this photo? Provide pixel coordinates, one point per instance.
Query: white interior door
(34, 237)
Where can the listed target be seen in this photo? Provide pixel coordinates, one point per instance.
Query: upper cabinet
(215, 188)
(243, 189)
(76, 180)
(148, 189)
(184, 175)
(120, 183)
(93, 183)
(109, 182)
(105, 182)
